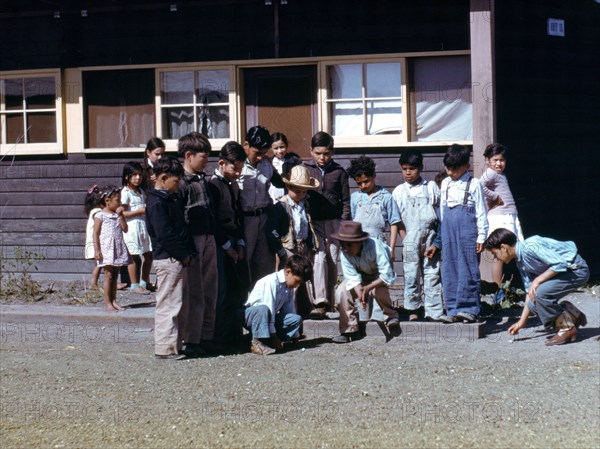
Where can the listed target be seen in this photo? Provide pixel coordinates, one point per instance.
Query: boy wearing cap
(368, 273)
(257, 176)
(290, 230)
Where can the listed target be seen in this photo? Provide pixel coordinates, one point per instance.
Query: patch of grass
(16, 280)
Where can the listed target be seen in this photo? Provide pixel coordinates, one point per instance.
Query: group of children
(257, 244)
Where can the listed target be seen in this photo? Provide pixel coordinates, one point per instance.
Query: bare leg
(132, 269)
(114, 291)
(146, 267)
(110, 280)
(93, 285)
(497, 271)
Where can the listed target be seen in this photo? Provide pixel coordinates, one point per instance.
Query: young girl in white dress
(91, 208)
(109, 247)
(137, 239)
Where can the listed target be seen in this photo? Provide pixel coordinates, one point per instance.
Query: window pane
(40, 93)
(119, 108)
(383, 80)
(384, 117)
(177, 87)
(214, 122)
(212, 86)
(13, 94)
(177, 122)
(14, 128)
(41, 127)
(348, 119)
(345, 81)
(443, 98)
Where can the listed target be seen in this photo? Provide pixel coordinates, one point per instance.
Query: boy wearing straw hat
(290, 230)
(368, 273)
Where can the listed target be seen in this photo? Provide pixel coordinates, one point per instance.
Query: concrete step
(49, 322)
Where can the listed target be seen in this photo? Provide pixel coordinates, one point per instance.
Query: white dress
(89, 234)
(136, 237)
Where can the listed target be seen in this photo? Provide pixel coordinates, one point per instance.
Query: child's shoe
(259, 348)
(563, 336)
(466, 317)
(347, 337)
(170, 356)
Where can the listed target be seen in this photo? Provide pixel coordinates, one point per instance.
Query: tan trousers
(326, 262)
(169, 300)
(349, 305)
(200, 286)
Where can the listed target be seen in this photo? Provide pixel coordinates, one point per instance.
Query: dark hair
(411, 158)
(493, 149)
(456, 156)
(130, 169)
(258, 137)
(322, 139)
(154, 143)
(232, 152)
(440, 176)
(498, 237)
(300, 266)
(92, 199)
(362, 165)
(279, 136)
(108, 192)
(193, 142)
(168, 165)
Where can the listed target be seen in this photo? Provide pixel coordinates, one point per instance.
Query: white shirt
(453, 194)
(273, 292)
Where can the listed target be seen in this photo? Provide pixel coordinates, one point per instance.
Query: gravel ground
(107, 390)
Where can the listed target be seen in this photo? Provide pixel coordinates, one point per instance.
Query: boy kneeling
(557, 270)
(270, 313)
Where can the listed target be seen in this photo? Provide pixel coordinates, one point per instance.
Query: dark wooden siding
(42, 205)
(548, 106)
(124, 33)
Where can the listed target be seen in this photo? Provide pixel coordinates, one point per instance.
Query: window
(119, 108)
(365, 99)
(30, 113)
(195, 100)
(443, 105)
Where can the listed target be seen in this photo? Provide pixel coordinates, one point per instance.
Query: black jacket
(331, 200)
(166, 226)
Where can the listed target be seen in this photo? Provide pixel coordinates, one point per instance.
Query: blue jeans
(546, 305)
(257, 319)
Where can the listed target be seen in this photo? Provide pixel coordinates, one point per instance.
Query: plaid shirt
(198, 207)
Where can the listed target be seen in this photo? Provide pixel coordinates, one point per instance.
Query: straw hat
(350, 231)
(299, 177)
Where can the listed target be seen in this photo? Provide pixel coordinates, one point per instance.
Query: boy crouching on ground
(270, 313)
(368, 273)
(172, 251)
(550, 270)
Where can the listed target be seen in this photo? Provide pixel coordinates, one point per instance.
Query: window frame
(27, 149)
(233, 103)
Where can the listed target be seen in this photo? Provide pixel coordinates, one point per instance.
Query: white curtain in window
(443, 98)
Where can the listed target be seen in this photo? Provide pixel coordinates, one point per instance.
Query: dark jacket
(229, 216)
(331, 200)
(166, 226)
(280, 228)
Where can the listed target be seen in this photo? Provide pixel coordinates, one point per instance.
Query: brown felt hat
(350, 231)
(299, 177)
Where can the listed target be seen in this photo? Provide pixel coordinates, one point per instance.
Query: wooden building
(84, 84)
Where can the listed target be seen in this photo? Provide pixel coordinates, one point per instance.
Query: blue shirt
(273, 292)
(373, 260)
(537, 254)
(389, 208)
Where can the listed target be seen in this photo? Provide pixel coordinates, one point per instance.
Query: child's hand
(514, 329)
(496, 203)
(241, 253)
(120, 211)
(277, 343)
(479, 248)
(97, 254)
(430, 252)
(232, 253)
(186, 261)
(393, 256)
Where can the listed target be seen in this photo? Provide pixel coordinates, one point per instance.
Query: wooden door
(283, 99)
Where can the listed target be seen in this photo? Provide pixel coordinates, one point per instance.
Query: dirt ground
(108, 391)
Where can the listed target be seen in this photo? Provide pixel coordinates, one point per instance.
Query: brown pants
(200, 286)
